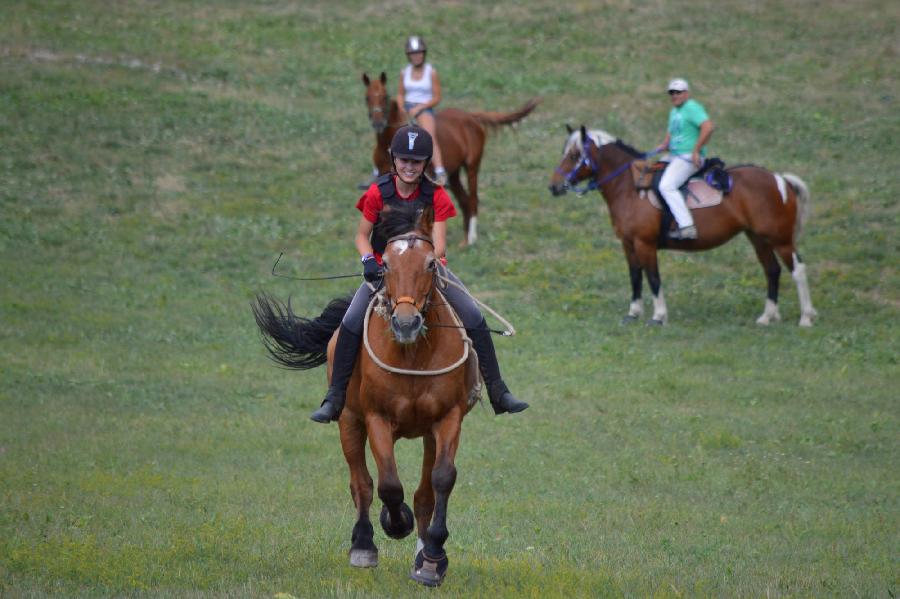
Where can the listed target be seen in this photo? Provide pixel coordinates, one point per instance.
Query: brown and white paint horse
(769, 208)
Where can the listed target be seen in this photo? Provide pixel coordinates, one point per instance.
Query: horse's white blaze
(660, 312)
(782, 187)
(807, 312)
(770, 313)
(472, 234)
(401, 246)
(636, 308)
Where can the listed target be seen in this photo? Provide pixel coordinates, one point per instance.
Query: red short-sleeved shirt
(371, 204)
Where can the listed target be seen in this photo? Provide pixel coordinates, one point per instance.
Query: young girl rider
(411, 149)
(419, 91)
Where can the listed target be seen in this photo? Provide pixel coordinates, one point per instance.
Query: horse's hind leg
(431, 561)
(363, 552)
(472, 177)
(396, 518)
(465, 204)
(792, 260)
(769, 261)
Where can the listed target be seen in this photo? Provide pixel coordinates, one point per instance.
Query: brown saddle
(697, 192)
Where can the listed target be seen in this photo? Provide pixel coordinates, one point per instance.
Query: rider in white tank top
(418, 91)
(418, 97)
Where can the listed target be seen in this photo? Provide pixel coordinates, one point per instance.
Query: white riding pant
(679, 170)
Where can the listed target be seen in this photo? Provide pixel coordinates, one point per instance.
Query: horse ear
(569, 129)
(584, 134)
(383, 77)
(426, 220)
(366, 79)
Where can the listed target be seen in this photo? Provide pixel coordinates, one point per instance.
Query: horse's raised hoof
(397, 530)
(363, 558)
(653, 322)
(629, 318)
(428, 571)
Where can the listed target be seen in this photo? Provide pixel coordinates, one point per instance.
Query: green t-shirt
(684, 127)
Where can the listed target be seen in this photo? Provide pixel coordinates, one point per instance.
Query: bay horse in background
(403, 386)
(461, 136)
(769, 208)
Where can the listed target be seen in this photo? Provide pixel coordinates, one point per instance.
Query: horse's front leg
(646, 255)
(363, 552)
(423, 500)
(636, 273)
(431, 561)
(396, 517)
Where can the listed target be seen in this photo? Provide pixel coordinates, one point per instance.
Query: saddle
(704, 189)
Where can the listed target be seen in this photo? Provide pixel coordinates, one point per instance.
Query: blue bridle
(588, 160)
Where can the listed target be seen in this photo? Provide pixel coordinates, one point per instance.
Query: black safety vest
(390, 198)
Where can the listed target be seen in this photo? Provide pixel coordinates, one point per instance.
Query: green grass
(157, 156)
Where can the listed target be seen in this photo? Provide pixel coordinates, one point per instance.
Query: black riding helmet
(412, 141)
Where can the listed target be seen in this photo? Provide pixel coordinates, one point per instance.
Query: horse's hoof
(806, 322)
(397, 530)
(655, 322)
(363, 558)
(429, 572)
(629, 318)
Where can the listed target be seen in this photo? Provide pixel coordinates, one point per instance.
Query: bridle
(422, 308)
(587, 159)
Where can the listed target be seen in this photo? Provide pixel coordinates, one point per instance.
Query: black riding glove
(372, 270)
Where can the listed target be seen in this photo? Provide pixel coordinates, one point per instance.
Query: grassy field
(157, 156)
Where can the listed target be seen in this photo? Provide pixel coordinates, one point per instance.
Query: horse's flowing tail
(493, 120)
(293, 341)
(803, 204)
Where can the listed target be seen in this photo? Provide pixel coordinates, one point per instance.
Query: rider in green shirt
(689, 130)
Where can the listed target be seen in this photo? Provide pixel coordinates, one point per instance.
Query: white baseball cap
(678, 85)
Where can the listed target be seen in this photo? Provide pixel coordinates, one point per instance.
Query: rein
(275, 274)
(588, 160)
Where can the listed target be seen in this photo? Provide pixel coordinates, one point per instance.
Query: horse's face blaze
(408, 281)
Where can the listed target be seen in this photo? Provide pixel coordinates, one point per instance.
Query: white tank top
(417, 91)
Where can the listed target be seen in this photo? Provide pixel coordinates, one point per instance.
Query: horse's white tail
(803, 202)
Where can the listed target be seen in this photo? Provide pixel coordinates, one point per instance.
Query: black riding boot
(345, 352)
(501, 398)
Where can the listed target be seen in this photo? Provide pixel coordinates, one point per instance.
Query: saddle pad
(697, 194)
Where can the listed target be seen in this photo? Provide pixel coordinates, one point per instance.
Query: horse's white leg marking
(807, 312)
(473, 232)
(636, 308)
(420, 545)
(770, 313)
(782, 187)
(660, 312)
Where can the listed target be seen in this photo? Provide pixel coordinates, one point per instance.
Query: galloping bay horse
(461, 136)
(404, 386)
(769, 208)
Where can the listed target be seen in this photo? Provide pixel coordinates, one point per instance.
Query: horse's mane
(397, 220)
(629, 149)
